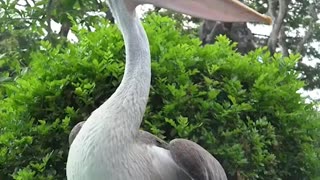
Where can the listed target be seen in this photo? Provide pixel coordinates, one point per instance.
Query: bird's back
(163, 164)
(136, 161)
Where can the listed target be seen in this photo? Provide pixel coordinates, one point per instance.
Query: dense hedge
(244, 109)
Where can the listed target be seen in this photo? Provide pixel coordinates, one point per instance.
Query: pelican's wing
(195, 160)
(75, 130)
(150, 139)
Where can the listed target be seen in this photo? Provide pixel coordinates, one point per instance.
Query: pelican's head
(218, 10)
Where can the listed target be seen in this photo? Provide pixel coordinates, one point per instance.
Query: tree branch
(48, 17)
(278, 21)
(282, 42)
(308, 34)
(272, 4)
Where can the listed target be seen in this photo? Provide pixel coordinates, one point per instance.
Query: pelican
(109, 145)
(143, 136)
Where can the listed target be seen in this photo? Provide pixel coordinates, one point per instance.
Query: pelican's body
(109, 144)
(164, 160)
(136, 161)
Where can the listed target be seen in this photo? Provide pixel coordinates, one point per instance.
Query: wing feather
(178, 159)
(196, 161)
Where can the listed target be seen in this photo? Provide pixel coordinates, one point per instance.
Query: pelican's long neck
(131, 96)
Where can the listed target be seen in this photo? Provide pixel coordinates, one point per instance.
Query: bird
(147, 138)
(109, 145)
(143, 136)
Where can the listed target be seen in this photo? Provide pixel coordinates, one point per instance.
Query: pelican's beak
(218, 10)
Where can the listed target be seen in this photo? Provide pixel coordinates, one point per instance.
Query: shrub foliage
(244, 109)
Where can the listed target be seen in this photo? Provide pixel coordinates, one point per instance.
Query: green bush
(244, 109)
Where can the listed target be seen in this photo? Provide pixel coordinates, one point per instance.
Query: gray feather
(195, 161)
